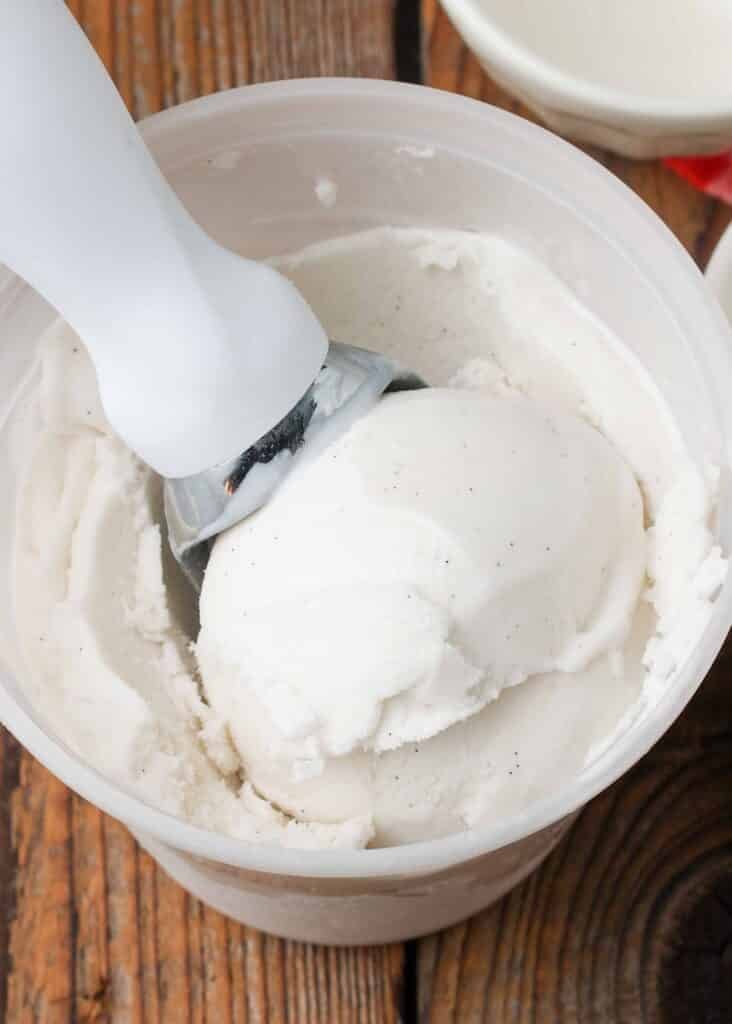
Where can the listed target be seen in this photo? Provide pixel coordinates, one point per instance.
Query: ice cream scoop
(199, 352)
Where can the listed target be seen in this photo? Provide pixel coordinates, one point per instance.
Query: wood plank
(99, 932)
(41, 983)
(630, 920)
(9, 778)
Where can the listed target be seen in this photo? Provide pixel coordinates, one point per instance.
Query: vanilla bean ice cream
(437, 620)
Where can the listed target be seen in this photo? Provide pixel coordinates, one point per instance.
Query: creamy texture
(449, 546)
(424, 731)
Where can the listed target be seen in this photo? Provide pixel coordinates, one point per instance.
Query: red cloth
(710, 174)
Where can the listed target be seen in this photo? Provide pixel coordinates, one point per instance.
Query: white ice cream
(449, 546)
(363, 637)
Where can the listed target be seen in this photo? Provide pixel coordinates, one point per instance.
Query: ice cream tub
(271, 168)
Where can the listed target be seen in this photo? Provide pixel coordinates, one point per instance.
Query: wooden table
(630, 920)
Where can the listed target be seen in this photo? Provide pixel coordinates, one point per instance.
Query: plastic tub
(247, 163)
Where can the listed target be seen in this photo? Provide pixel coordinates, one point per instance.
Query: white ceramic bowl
(633, 125)
(246, 163)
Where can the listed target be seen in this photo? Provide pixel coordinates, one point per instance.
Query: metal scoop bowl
(199, 507)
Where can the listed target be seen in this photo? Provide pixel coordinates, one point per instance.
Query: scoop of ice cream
(450, 545)
(104, 621)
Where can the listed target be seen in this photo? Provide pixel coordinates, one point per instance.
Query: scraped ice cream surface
(439, 619)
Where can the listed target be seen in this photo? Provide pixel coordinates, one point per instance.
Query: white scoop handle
(198, 351)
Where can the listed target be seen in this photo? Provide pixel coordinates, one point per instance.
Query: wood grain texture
(162, 52)
(95, 931)
(630, 920)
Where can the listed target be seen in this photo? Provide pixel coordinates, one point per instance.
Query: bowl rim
(427, 857)
(562, 91)
(719, 267)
